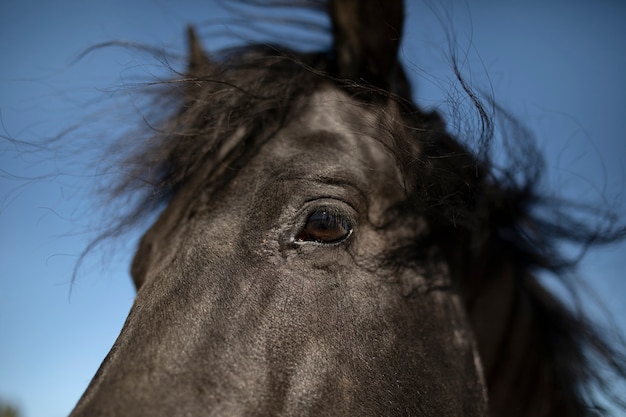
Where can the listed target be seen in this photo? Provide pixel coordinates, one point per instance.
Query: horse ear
(367, 36)
(198, 59)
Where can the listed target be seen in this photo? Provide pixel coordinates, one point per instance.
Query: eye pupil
(325, 227)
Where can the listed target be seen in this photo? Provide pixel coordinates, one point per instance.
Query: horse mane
(499, 231)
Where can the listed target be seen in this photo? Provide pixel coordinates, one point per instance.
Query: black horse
(327, 248)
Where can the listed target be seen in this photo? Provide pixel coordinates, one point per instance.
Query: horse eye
(325, 227)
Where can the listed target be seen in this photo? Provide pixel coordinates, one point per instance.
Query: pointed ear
(198, 59)
(367, 35)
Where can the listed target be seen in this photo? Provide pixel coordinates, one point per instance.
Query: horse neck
(521, 332)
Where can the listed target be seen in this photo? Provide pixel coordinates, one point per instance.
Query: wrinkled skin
(236, 317)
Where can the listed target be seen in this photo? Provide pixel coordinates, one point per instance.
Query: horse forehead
(335, 111)
(343, 130)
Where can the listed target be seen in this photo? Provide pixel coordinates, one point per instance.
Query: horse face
(274, 296)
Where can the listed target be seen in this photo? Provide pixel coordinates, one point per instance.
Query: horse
(324, 246)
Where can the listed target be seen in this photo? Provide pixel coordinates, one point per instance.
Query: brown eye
(325, 227)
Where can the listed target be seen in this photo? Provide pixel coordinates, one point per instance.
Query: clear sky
(558, 65)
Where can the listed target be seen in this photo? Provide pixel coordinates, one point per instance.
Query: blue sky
(558, 65)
